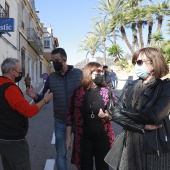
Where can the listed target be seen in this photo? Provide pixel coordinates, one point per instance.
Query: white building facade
(27, 42)
(8, 43)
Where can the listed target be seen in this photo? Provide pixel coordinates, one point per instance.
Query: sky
(70, 20)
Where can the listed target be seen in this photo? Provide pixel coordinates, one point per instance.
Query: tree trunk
(150, 25)
(87, 58)
(140, 34)
(125, 39)
(92, 53)
(134, 37)
(114, 36)
(160, 19)
(104, 52)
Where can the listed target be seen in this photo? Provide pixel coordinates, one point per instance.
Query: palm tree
(109, 9)
(121, 20)
(133, 3)
(115, 51)
(140, 15)
(160, 9)
(168, 24)
(157, 38)
(91, 44)
(165, 48)
(150, 21)
(137, 15)
(101, 30)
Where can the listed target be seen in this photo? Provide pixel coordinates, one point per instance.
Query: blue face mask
(141, 72)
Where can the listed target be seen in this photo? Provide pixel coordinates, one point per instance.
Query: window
(7, 10)
(23, 15)
(23, 62)
(2, 12)
(46, 43)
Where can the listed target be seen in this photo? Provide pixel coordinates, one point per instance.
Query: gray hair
(7, 64)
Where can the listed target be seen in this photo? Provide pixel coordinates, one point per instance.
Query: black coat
(151, 107)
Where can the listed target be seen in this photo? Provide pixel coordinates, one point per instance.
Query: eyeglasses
(139, 62)
(57, 60)
(18, 71)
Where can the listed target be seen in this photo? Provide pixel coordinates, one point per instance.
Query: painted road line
(49, 164)
(53, 139)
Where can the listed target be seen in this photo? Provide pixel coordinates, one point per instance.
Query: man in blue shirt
(113, 77)
(107, 76)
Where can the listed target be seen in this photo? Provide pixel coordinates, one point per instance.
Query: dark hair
(61, 51)
(86, 75)
(157, 59)
(105, 67)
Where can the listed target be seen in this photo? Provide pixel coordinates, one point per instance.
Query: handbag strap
(112, 95)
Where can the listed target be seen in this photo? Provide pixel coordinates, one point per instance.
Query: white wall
(6, 50)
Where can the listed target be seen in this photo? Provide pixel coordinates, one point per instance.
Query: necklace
(92, 113)
(92, 97)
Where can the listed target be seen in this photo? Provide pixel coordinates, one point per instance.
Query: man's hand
(31, 92)
(48, 96)
(68, 143)
(152, 127)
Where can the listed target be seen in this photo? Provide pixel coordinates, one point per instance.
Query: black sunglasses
(139, 62)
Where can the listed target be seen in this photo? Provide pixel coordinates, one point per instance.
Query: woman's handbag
(111, 103)
(113, 157)
(110, 106)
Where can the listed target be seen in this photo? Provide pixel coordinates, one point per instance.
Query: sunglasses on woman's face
(140, 62)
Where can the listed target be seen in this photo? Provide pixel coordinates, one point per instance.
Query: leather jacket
(153, 110)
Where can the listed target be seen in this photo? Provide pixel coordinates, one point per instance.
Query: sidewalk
(38, 89)
(117, 92)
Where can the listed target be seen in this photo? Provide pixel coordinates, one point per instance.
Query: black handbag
(111, 104)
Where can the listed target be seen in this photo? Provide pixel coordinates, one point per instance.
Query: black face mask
(57, 66)
(98, 80)
(17, 79)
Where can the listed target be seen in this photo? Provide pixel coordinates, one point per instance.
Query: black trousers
(15, 155)
(95, 147)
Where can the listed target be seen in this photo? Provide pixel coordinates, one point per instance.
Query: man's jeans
(60, 144)
(114, 84)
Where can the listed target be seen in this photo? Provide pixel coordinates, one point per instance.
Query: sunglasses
(139, 62)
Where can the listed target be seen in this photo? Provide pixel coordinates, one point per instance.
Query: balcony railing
(34, 40)
(3, 13)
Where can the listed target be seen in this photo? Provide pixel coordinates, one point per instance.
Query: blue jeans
(114, 84)
(60, 144)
